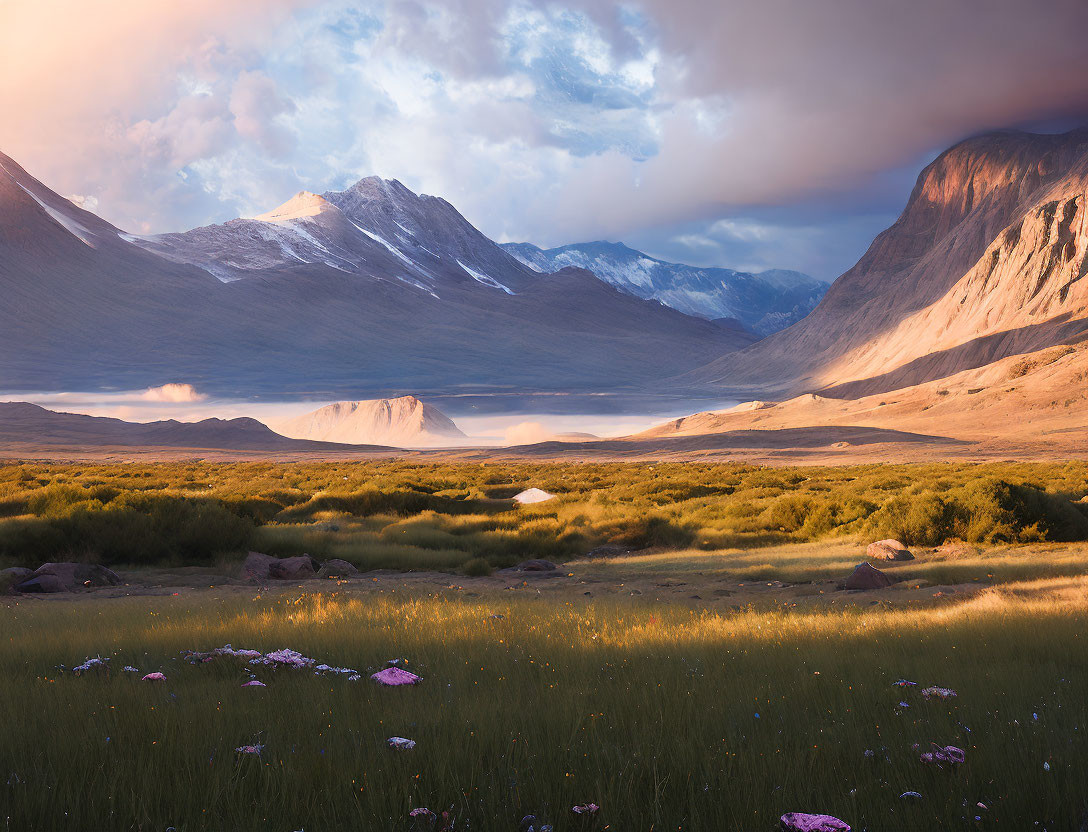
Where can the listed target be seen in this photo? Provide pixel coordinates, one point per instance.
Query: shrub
(922, 519)
(790, 513)
(477, 568)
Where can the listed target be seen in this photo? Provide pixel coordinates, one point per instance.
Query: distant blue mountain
(764, 302)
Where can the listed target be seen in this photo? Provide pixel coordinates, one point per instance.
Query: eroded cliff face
(403, 421)
(987, 259)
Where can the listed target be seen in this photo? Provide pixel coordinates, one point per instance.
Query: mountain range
(22, 423)
(373, 288)
(764, 302)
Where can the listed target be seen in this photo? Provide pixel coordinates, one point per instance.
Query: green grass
(402, 515)
(649, 711)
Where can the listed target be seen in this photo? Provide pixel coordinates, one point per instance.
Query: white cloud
(173, 393)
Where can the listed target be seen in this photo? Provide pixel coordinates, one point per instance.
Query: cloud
(173, 393)
(555, 122)
(257, 104)
(527, 433)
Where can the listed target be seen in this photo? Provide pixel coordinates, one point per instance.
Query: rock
(802, 822)
(256, 566)
(292, 569)
(337, 568)
(76, 575)
(259, 567)
(888, 550)
(609, 550)
(866, 576)
(14, 575)
(42, 583)
(532, 495)
(537, 565)
(957, 550)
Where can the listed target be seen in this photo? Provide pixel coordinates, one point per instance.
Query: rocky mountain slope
(764, 303)
(22, 423)
(404, 421)
(1022, 406)
(368, 289)
(987, 260)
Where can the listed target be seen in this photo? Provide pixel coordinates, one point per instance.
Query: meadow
(407, 515)
(666, 718)
(665, 709)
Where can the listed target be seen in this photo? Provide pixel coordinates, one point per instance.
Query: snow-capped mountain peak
(376, 229)
(765, 302)
(303, 204)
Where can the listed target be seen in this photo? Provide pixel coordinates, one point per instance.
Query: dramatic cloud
(776, 132)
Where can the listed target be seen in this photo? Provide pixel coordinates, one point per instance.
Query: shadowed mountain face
(25, 423)
(764, 302)
(988, 259)
(369, 289)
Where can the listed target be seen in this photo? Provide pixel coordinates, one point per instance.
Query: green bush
(130, 529)
(790, 513)
(477, 568)
(922, 519)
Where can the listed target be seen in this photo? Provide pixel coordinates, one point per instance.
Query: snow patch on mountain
(77, 230)
(484, 279)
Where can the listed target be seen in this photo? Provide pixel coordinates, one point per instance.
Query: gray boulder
(866, 576)
(77, 575)
(337, 568)
(14, 575)
(42, 583)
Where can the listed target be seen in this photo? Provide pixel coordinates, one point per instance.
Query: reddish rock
(293, 569)
(888, 550)
(256, 566)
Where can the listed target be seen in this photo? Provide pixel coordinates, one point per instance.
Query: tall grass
(665, 718)
(411, 516)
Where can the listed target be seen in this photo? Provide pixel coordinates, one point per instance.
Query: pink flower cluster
(938, 693)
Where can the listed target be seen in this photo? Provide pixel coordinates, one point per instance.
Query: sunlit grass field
(669, 710)
(803, 563)
(665, 718)
(407, 515)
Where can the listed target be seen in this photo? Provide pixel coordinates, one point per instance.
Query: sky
(758, 134)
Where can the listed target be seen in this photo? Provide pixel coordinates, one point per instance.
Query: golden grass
(667, 718)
